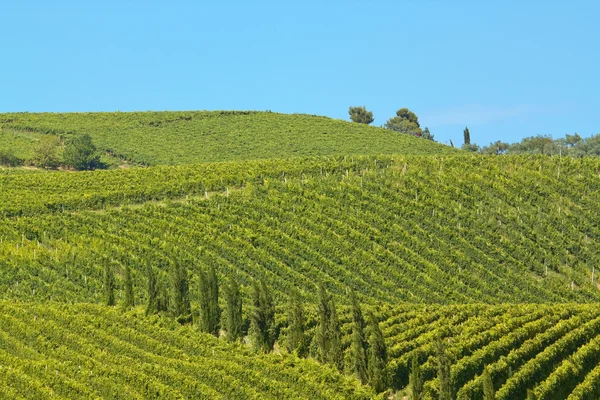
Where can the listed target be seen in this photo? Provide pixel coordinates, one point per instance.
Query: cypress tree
(296, 324)
(377, 355)
(180, 290)
(488, 385)
(129, 300)
(336, 354)
(321, 335)
(109, 284)
(233, 310)
(215, 311)
(467, 136)
(262, 318)
(163, 294)
(152, 306)
(204, 300)
(443, 367)
(416, 379)
(359, 344)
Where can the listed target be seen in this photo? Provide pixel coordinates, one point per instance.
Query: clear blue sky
(507, 69)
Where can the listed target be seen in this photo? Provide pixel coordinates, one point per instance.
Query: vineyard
(152, 138)
(493, 257)
(86, 351)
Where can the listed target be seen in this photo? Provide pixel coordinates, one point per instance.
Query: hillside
(395, 229)
(153, 138)
(87, 351)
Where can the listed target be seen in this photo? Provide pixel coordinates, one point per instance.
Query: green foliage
(444, 378)
(376, 355)
(233, 310)
(360, 115)
(180, 290)
(296, 339)
(129, 298)
(9, 159)
(262, 317)
(109, 284)
(416, 379)
(47, 152)
(210, 313)
(488, 386)
(358, 347)
(152, 138)
(153, 290)
(80, 153)
(334, 334)
(467, 137)
(407, 122)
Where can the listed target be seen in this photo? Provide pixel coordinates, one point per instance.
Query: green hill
(153, 138)
(85, 351)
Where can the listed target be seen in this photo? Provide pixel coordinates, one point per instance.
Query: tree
(467, 136)
(215, 311)
(377, 355)
(233, 310)
(360, 115)
(488, 385)
(336, 353)
(109, 284)
(406, 122)
(296, 324)
(180, 291)
(262, 318)
(321, 336)
(46, 152)
(358, 345)
(443, 368)
(152, 305)
(416, 379)
(427, 134)
(129, 300)
(81, 154)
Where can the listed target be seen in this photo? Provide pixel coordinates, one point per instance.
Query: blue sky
(507, 69)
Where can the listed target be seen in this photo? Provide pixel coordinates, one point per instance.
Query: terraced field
(171, 138)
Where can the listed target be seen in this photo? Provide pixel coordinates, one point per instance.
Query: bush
(8, 159)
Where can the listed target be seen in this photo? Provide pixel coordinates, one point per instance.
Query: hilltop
(153, 138)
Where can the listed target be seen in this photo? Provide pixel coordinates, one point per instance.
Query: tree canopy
(360, 115)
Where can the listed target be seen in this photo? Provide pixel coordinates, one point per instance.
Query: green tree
(215, 311)
(488, 385)
(359, 344)
(444, 378)
(406, 122)
(109, 284)
(296, 324)
(334, 331)
(180, 291)
(152, 305)
(360, 115)
(467, 136)
(322, 338)
(233, 310)
(81, 154)
(129, 300)
(376, 355)
(262, 318)
(416, 379)
(46, 152)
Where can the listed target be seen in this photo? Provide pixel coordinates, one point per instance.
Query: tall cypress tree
(359, 344)
(416, 379)
(233, 310)
(467, 136)
(443, 367)
(488, 385)
(180, 290)
(296, 324)
(152, 305)
(336, 353)
(162, 302)
(215, 311)
(109, 284)
(377, 355)
(129, 300)
(204, 323)
(321, 335)
(262, 318)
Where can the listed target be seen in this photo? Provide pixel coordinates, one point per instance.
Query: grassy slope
(188, 137)
(87, 351)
